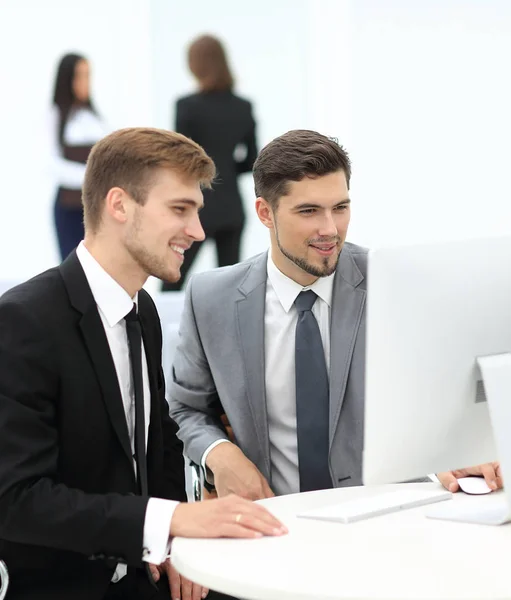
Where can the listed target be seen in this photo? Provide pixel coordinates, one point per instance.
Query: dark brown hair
(208, 62)
(128, 158)
(63, 95)
(291, 157)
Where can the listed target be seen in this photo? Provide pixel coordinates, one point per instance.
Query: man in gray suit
(277, 342)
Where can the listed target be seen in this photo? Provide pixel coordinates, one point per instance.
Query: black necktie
(312, 398)
(135, 344)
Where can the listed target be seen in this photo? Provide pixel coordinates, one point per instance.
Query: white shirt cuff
(207, 473)
(156, 542)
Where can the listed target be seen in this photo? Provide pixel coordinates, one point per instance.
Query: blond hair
(128, 158)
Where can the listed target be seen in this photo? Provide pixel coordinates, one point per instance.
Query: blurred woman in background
(74, 128)
(222, 123)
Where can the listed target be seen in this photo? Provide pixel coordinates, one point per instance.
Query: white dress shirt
(280, 319)
(114, 303)
(82, 128)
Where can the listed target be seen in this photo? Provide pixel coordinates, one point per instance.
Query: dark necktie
(135, 344)
(312, 402)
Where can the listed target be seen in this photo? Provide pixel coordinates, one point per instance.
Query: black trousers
(227, 250)
(69, 227)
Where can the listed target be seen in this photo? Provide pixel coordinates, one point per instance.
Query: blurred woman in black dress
(222, 123)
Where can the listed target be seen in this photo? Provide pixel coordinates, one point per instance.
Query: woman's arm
(245, 166)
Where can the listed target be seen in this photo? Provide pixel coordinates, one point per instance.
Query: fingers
(225, 517)
(262, 514)
(490, 476)
(259, 490)
(256, 519)
(268, 492)
(174, 583)
(182, 588)
(490, 471)
(197, 592)
(154, 572)
(499, 480)
(255, 527)
(186, 590)
(191, 591)
(449, 481)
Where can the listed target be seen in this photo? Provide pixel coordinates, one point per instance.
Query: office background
(417, 91)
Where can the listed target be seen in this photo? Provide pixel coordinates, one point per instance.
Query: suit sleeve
(193, 398)
(250, 143)
(35, 508)
(175, 486)
(173, 461)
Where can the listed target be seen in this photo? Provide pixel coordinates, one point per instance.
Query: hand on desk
(180, 587)
(231, 517)
(235, 474)
(490, 471)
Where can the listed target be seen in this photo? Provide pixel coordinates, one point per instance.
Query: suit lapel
(250, 308)
(94, 336)
(99, 351)
(347, 309)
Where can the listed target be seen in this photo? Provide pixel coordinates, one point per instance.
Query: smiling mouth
(179, 250)
(324, 249)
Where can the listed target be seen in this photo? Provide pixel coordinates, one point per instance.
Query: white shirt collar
(112, 299)
(287, 290)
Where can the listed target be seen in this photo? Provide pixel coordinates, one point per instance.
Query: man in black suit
(91, 467)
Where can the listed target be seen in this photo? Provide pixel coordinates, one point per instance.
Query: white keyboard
(374, 506)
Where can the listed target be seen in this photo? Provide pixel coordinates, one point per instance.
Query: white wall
(417, 91)
(268, 56)
(431, 119)
(33, 36)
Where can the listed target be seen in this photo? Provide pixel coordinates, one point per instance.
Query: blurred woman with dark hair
(222, 123)
(74, 128)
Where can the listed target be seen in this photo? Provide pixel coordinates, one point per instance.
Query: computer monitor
(438, 362)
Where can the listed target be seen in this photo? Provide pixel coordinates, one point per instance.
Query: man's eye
(179, 209)
(307, 211)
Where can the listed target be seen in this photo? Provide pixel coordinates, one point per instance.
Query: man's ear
(116, 204)
(264, 212)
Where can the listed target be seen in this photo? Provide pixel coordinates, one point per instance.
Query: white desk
(397, 556)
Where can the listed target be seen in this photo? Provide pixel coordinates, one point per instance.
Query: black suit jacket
(219, 122)
(68, 503)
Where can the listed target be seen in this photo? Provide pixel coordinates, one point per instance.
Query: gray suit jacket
(219, 364)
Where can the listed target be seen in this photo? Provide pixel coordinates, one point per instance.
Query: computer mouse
(474, 485)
